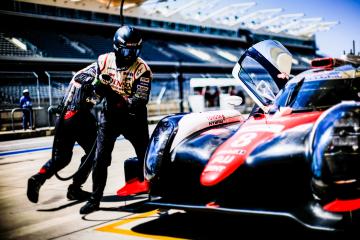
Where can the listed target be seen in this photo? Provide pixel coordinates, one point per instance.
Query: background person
(26, 104)
(232, 91)
(239, 92)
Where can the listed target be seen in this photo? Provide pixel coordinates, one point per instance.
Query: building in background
(48, 40)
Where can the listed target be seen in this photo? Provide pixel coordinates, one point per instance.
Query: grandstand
(49, 40)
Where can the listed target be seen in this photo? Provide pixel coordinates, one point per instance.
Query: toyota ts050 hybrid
(297, 154)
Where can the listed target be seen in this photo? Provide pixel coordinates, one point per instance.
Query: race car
(296, 155)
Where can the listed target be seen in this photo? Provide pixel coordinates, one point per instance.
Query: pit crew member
(124, 112)
(76, 123)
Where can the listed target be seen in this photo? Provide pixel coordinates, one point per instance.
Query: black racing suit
(75, 124)
(124, 112)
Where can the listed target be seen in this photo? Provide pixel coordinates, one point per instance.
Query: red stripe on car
(343, 205)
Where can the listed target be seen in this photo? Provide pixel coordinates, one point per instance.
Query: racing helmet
(127, 44)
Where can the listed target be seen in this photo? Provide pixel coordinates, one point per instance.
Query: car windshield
(318, 94)
(258, 80)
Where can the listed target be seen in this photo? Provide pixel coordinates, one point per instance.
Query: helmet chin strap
(123, 64)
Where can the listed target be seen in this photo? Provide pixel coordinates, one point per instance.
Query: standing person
(124, 113)
(207, 97)
(26, 104)
(216, 97)
(242, 95)
(232, 91)
(75, 124)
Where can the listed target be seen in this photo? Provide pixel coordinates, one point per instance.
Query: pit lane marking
(30, 150)
(114, 227)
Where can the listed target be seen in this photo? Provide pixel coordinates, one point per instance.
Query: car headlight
(335, 144)
(159, 142)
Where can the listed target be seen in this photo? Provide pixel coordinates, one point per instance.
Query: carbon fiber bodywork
(296, 156)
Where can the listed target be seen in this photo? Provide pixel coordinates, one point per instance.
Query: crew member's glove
(131, 108)
(93, 98)
(100, 85)
(135, 106)
(103, 78)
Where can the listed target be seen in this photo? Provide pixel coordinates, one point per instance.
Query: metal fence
(169, 94)
(46, 89)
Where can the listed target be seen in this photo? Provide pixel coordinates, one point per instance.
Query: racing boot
(134, 179)
(132, 187)
(33, 187)
(76, 193)
(91, 206)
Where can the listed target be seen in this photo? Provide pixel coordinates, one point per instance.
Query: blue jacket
(25, 102)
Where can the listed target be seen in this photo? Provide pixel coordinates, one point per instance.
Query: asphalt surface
(55, 217)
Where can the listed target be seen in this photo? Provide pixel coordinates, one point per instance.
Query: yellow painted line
(114, 227)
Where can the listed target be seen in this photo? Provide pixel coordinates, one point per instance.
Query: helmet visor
(128, 53)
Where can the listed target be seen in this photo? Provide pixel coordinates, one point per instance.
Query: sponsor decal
(326, 75)
(133, 44)
(142, 88)
(216, 119)
(213, 168)
(117, 84)
(141, 96)
(231, 152)
(144, 79)
(223, 159)
(141, 92)
(120, 87)
(128, 85)
(216, 122)
(140, 70)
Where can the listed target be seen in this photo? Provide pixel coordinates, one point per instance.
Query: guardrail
(21, 109)
(50, 111)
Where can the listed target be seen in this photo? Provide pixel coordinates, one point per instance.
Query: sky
(339, 38)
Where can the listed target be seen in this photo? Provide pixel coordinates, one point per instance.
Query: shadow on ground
(224, 226)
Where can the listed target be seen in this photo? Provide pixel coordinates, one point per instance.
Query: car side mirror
(234, 100)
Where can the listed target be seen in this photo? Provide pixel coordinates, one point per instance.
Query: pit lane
(55, 217)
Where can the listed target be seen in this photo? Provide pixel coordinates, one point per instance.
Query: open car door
(263, 70)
